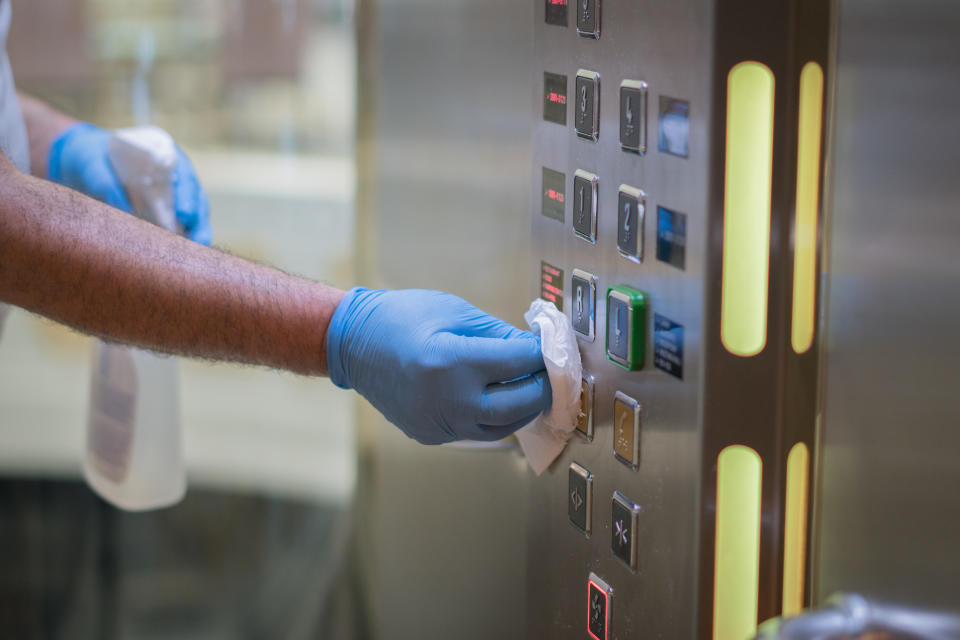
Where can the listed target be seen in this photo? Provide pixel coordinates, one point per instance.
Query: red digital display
(556, 196)
(557, 98)
(557, 3)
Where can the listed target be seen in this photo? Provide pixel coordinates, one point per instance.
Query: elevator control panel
(665, 212)
(615, 208)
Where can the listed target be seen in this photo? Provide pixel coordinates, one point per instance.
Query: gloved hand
(435, 365)
(79, 160)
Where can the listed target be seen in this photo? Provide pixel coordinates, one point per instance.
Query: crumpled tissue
(544, 439)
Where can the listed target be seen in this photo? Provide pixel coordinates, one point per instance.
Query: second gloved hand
(435, 365)
(79, 160)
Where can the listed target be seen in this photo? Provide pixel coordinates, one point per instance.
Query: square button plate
(631, 207)
(583, 307)
(585, 417)
(626, 430)
(580, 498)
(585, 187)
(586, 106)
(588, 18)
(633, 116)
(623, 528)
(599, 603)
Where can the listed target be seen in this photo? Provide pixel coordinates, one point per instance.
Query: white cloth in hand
(544, 439)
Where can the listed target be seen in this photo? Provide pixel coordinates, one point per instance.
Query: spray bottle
(134, 455)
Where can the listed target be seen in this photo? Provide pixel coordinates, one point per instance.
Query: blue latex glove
(78, 159)
(435, 365)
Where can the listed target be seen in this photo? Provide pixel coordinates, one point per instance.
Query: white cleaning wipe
(543, 439)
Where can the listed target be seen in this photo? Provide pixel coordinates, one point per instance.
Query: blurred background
(261, 95)
(354, 143)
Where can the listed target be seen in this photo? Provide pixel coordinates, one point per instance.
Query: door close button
(625, 521)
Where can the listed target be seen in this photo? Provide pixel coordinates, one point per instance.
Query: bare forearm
(44, 125)
(82, 263)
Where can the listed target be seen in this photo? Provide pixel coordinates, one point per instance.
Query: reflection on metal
(736, 578)
(746, 208)
(854, 617)
(809, 133)
(795, 528)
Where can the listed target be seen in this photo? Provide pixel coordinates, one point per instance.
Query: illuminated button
(580, 498)
(587, 105)
(626, 430)
(585, 417)
(599, 603)
(588, 18)
(626, 327)
(633, 116)
(623, 528)
(583, 293)
(631, 207)
(585, 205)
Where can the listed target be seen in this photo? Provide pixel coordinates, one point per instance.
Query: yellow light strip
(810, 128)
(795, 529)
(737, 550)
(746, 208)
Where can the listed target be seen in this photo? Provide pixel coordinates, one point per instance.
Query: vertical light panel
(746, 208)
(795, 529)
(810, 127)
(737, 561)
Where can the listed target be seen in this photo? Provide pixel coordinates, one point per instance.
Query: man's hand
(435, 365)
(78, 159)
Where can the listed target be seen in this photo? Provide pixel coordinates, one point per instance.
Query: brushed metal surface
(889, 499)
(666, 45)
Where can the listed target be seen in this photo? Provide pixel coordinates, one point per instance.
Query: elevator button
(580, 498)
(588, 18)
(585, 205)
(631, 207)
(585, 417)
(626, 430)
(599, 603)
(633, 116)
(624, 525)
(626, 327)
(587, 104)
(583, 294)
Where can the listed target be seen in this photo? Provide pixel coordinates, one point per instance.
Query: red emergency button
(599, 599)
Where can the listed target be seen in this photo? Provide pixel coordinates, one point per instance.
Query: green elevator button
(626, 326)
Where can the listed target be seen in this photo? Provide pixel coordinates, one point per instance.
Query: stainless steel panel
(683, 51)
(889, 504)
(666, 45)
